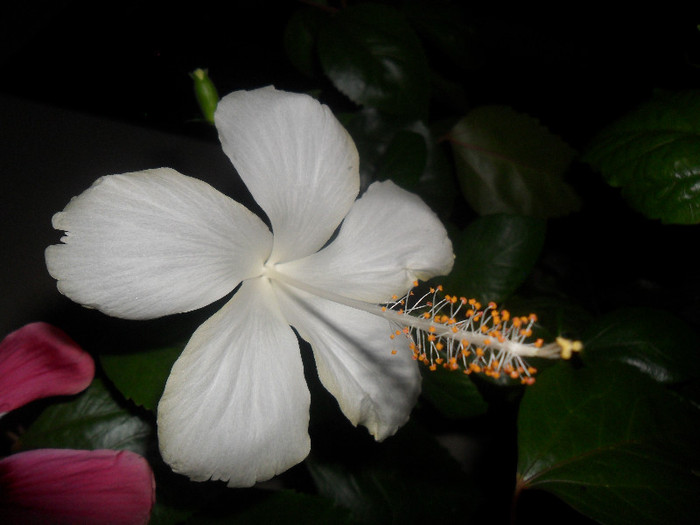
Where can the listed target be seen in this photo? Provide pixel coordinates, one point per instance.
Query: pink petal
(52, 486)
(40, 360)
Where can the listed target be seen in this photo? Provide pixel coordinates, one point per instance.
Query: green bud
(206, 94)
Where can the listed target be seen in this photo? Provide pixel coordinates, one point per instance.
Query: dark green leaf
(443, 27)
(300, 36)
(409, 478)
(612, 443)
(655, 342)
(284, 507)
(375, 135)
(507, 162)
(494, 255)
(141, 376)
(404, 159)
(452, 393)
(653, 154)
(92, 420)
(372, 55)
(559, 316)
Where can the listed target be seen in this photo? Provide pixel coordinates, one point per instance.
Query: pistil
(455, 332)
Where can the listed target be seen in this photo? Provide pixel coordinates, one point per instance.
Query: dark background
(91, 89)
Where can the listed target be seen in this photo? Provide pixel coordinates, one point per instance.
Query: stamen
(458, 333)
(455, 332)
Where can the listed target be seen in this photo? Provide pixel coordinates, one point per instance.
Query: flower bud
(206, 94)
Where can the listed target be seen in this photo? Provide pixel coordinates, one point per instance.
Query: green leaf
(382, 140)
(141, 376)
(284, 507)
(613, 444)
(559, 316)
(372, 55)
(655, 342)
(507, 162)
(92, 420)
(653, 154)
(409, 478)
(452, 393)
(404, 159)
(300, 36)
(494, 255)
(443, 26)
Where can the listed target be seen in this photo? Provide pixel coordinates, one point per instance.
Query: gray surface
(48, 155)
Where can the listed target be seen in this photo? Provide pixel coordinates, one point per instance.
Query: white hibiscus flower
(153, 243)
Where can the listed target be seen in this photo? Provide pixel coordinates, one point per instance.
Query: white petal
(299, 163)
(151, 243)
(353, 351)
(236, 405)
(389, 239)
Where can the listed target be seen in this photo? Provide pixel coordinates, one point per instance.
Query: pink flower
(75, 486)
(56, 486)
(38, 361)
